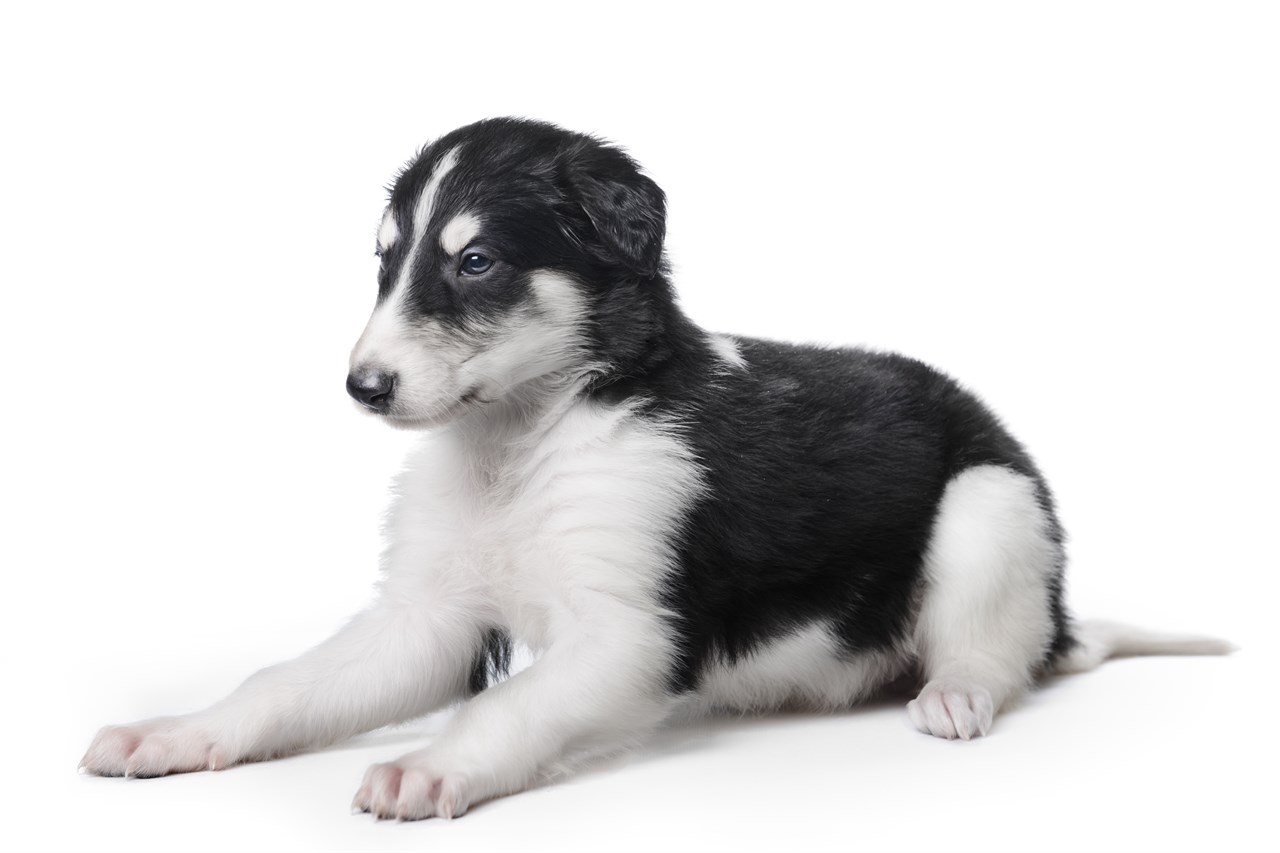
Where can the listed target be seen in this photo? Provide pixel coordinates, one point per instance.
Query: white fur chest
(532, 531)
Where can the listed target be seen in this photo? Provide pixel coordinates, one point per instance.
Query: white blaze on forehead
(388, 334)
(421, 219)
(388, 231)
(427, 201)
(460, 231)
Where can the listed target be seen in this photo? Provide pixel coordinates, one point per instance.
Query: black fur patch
(492, 662)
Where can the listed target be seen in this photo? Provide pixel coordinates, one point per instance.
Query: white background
(1074, 209)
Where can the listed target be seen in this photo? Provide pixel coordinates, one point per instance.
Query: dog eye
(475, 264)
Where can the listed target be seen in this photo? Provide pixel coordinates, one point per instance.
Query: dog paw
(952, 710)
(154, 748)
(412, 788)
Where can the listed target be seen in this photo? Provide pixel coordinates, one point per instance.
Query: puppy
(670, 519)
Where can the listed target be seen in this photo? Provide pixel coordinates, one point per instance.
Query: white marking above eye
(388, 231)
(459, 232)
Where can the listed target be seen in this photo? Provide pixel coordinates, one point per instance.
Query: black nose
(372, 389)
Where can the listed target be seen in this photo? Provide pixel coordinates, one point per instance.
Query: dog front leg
(599, 687)
(397, 660)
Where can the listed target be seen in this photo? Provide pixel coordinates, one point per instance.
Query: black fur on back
(825, 467)
(825, 470)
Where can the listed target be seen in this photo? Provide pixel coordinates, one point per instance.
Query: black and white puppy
(670, 519)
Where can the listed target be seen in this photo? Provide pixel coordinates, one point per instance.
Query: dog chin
(414, 424)
(440, 415)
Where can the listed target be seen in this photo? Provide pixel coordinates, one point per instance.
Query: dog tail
(1097, 641)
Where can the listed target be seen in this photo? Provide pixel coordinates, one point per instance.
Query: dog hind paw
(952, 710)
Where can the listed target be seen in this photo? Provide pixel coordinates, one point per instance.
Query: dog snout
(373, 389)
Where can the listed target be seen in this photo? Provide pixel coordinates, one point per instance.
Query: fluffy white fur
(562, 539)
(984, 624)
(804, 669)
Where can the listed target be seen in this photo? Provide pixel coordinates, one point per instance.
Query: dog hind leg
(985, 623)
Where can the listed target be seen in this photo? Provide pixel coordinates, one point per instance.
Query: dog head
(511, 251)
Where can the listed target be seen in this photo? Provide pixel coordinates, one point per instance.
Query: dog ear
(626, 208)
